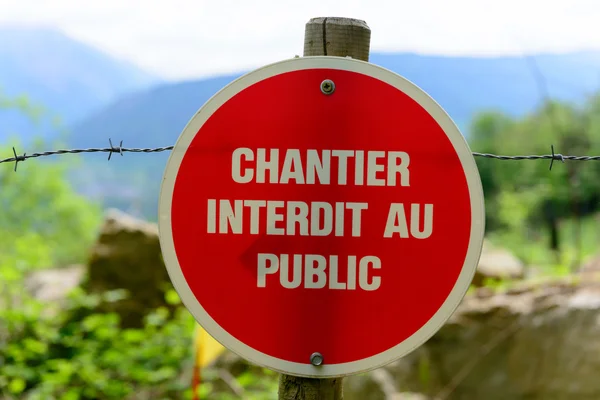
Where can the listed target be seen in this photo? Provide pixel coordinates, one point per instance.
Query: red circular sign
(343, 218)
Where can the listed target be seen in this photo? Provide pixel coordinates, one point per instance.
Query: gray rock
(497, 264)
(127, 255)
(537, 343)
(379, 384)
(55, 283)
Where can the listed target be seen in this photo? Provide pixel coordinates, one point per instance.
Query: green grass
(532, 245)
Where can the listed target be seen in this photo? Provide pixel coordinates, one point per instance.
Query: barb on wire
(120, 150)
(555, 157)
(115, 149)
(18, 159)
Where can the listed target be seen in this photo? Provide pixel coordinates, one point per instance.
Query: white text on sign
(313, 271)
(317, 218)
(317, 169)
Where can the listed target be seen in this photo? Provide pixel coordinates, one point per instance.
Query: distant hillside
(151, 117)
(467, 85)
(69, 78)
(462, 85)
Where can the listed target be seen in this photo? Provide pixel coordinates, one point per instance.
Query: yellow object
(207, 349)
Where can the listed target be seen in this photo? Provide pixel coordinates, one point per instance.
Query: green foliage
(69, 351)
(525, 201)
(39, 210)
(252, 384)
(49, 354)
(424, 368)
(63, 353)
(21, 103)
(530, 244)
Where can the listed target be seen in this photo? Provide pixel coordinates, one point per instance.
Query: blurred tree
(486, 135)
(39, 210)
(571, 190)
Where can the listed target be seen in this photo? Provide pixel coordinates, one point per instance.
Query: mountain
(151, 118)
(69, 78)
(148, 118)
(462, 85)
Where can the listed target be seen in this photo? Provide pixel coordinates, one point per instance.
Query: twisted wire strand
(121, 150)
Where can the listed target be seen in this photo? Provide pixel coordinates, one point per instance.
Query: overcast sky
(180, 39)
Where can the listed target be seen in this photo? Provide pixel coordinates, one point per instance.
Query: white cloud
(188, 38)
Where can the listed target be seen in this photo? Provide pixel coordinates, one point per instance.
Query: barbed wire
(110, 150)
(552, 157)
(120, 150)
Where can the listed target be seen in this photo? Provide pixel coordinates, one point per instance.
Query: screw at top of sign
(316, 359)
(327, 86)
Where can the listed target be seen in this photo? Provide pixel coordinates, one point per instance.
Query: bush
(47, 355)
(72, 352)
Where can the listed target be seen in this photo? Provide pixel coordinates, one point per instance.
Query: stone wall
(541, 342)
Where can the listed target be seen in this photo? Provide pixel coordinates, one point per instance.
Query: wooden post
(296, 388)
(338, 37)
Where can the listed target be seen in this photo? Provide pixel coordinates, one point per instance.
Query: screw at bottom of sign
(316, 359)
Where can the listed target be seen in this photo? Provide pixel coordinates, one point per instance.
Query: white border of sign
(307, 369)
